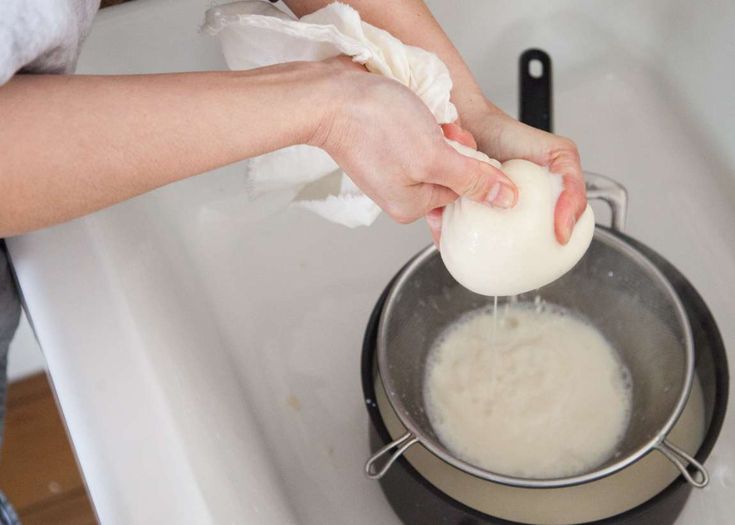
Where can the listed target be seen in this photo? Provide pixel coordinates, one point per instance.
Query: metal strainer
(614, 286)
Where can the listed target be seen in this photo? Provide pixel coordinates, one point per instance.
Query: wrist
(316, 96)
(483, 120)
(287, 103)
(475, 111)
(339, 84)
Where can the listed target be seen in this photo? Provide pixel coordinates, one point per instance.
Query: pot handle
(683, 461)
(600, 187)
(403, 443)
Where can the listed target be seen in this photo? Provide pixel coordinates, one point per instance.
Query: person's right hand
(386, 139)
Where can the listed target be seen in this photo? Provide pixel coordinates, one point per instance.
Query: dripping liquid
(495, 319)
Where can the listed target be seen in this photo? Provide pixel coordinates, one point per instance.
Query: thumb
(474, 179)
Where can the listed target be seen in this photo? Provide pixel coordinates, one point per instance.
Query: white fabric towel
(255, 34)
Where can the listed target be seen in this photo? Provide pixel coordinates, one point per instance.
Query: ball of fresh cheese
(494, 251)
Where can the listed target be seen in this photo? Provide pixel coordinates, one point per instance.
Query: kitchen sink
(204, 343)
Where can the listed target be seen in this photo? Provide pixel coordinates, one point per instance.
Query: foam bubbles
(544, 396)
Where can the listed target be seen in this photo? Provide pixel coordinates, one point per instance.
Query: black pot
(417, 501)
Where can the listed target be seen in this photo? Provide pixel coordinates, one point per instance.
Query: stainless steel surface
(614, 194)
(683, 461)
(600, 499)
(402, 444)
(614, 286)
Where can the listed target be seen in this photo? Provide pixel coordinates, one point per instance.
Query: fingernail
(501, 196)
(571, 221)
(434, 220)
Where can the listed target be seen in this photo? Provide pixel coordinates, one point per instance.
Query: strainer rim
(606, 236)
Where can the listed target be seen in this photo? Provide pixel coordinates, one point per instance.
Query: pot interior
(614, 287)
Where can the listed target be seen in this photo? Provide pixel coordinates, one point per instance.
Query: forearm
(497, 134)
(70, 145)
(412, 23)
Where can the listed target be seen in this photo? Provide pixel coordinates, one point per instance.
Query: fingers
(439, 197)
(456, 133)
(449, 174)
(424, 198)
(506, 138)
(573, 199)
(473, 179)
(565, 216)
(434, 220)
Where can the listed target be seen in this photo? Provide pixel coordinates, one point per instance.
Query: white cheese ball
(494, 251)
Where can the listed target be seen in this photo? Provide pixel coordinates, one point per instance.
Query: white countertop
(205, 348)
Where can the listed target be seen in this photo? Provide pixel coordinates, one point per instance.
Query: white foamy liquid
(543, 395)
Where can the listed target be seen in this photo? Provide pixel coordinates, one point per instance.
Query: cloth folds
(254, 34)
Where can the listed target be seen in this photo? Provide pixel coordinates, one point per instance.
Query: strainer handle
(403, 443)
(683, 461)
(600, 187)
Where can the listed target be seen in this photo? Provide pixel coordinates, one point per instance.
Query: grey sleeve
(9, 316)
(42, 36)
(36, 36)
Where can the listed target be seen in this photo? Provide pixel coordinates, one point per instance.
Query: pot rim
(436, 448)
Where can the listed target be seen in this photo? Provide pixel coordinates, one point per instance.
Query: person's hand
(503, 137)
(434, 218)
(388, 142)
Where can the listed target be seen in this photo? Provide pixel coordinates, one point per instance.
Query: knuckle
(476, 185)
(435, 200)
(567, 144)
(400, 214)
(570, 147)
(425, 168)
(421, 174)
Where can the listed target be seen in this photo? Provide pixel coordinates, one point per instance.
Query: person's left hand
(503, 138)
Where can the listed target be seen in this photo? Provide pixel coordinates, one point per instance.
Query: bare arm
(74, 144)
(70, 145)
(496, 133)
(412, 23)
